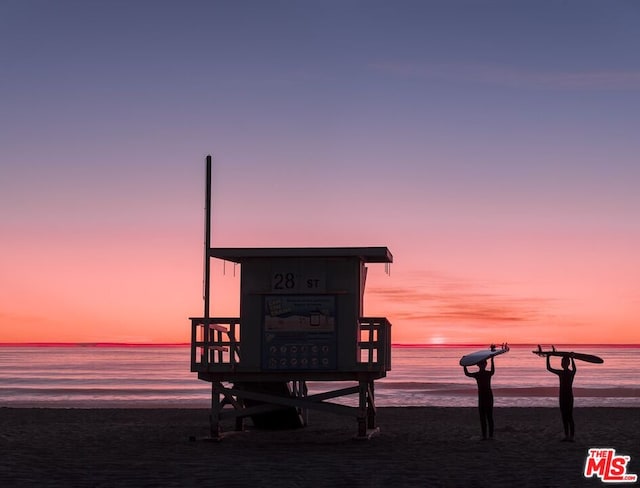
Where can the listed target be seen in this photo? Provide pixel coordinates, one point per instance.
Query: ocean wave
(537, 391)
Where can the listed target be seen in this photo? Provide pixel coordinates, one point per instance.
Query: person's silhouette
(566, 393)
(485, 396)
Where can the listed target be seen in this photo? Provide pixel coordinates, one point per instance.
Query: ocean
(92, 376)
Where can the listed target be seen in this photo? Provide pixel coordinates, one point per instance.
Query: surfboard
(589, 358)
(476, 357)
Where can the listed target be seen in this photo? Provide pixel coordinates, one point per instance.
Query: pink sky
(493, 149)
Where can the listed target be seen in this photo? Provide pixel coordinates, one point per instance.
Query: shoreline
(91, 405)
(504, 397)
(416, 446)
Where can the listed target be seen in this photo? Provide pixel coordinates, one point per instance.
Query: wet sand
(417, 447)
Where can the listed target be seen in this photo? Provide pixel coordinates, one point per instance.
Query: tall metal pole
(207, 238)
(214, 426)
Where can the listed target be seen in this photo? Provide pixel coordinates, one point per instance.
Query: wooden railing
(216, 344)
(374, 343)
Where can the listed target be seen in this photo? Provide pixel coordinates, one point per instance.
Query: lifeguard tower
(301, 320)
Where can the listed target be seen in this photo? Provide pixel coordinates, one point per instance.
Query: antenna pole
(207, 238)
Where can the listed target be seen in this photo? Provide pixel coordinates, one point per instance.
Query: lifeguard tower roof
(365, 254)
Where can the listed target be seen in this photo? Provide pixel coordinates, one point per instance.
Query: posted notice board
(299, 332)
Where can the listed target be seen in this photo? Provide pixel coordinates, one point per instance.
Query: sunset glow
(493, 151)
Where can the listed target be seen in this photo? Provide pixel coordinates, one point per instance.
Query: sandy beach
(415, 447)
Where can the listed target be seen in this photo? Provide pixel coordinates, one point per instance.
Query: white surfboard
(476, 357)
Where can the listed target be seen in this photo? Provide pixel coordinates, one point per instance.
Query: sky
(492, 146)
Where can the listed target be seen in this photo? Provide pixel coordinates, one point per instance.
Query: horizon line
(398, 345)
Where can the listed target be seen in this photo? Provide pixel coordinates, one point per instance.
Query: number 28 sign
(289, 281)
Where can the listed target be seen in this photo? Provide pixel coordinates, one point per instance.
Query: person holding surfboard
(566, 376)
(485, 395)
